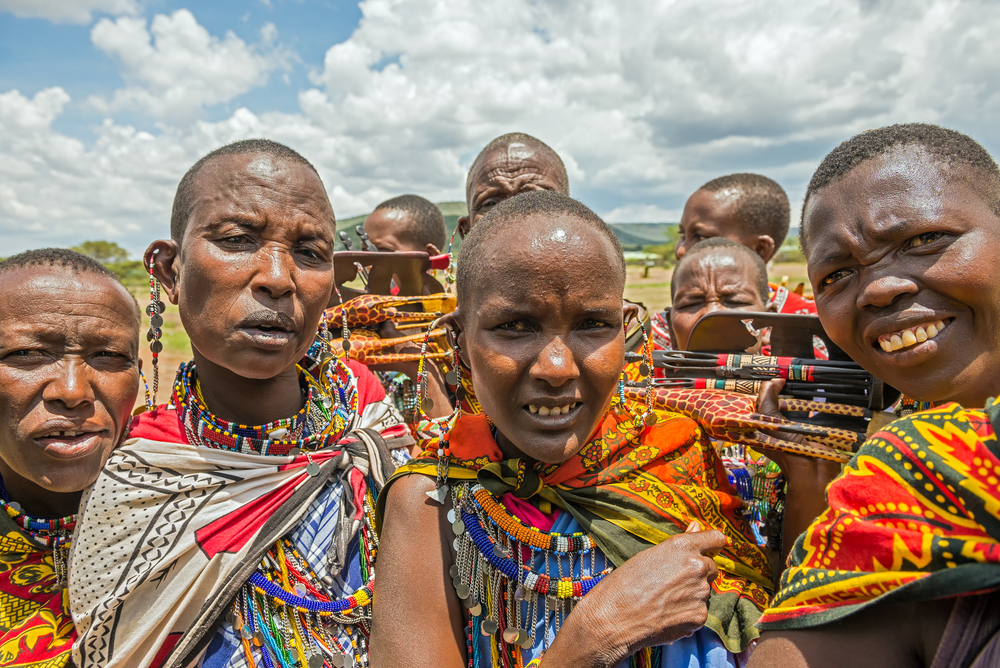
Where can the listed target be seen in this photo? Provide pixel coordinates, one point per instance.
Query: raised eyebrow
(247, 223)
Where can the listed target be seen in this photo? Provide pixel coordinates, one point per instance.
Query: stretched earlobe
(162, 257)
(463, 226)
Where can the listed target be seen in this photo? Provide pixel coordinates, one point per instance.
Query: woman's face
(719, 279)
(542, 333)
(69, 375)
(254, 272)
(904, 260)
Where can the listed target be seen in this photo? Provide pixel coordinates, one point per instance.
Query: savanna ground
(653, 291)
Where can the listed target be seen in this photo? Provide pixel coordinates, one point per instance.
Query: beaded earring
(648, 417)
(449, 273)
(155, 312)
(346, 333)
(149, 398)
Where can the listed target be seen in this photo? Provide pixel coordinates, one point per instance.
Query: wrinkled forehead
(56, 291)
(510, 160)
(720, 263)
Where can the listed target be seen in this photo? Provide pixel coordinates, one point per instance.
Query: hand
(656, 597)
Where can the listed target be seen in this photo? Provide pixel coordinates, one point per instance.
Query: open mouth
(67, 444)
(911, 336)
(546, 411)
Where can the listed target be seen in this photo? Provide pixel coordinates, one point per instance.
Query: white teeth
(886, 346)
(921, 334)
(908, 338)
(932, 331)
(896, 341)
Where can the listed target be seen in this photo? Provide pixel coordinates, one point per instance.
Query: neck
(249, 401)
(37, 501)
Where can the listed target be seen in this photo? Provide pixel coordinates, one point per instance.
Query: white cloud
(175, 68)
(644, 100)
(67, 11)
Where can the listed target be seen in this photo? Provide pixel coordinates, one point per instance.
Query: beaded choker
(331, 404)
(54, 534)
(508, 573)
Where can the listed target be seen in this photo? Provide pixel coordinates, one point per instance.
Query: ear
(631, 311)
(765, 247)
(454, 322)
(432, 250)
(463, 226)
(165, 256)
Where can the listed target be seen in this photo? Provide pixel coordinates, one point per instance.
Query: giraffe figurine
(369, 311)
(367, 348)
(733, 417)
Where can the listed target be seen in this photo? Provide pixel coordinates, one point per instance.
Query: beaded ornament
(53, 534)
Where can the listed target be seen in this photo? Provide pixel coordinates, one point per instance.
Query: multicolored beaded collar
(330, 407)
(53, 534)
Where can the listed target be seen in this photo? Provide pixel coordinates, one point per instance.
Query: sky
(104, 104)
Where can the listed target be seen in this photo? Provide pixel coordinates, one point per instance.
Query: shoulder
(163, 423)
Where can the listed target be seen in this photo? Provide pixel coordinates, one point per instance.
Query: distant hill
(633, 236)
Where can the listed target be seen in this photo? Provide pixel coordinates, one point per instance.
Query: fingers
(706, 542)
(767, 398)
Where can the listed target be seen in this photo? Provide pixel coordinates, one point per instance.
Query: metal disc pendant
(451, 516)
(160, 307)
(644, 369)
(476, 610)
(293, 654)
(156, 347)
(295, 452)
(300, 590)
(458, 527)
(428, 404)
(312, 468)
(524, 640)
(452, 377)
(519, 593)
(245, 632)
(455, 544)
(462, 591)
(453, 571)
(230, 618)
(498, 551)
(348, 661)
(156, 320)
(337, 660)
(258, 638)
(650, 419)
(510, 634)
(489, 627)
(346, 345)
(316, 661)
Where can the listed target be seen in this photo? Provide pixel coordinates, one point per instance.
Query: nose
(556, 364)
(275, 272)
(70, 385)
(680, 249)
(883, 289)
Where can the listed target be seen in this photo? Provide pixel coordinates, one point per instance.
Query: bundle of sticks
(835, 381)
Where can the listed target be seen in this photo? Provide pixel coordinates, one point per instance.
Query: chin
(261, 366)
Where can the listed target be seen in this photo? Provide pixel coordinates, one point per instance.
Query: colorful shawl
(915, 516)
(171, 531)
(629, 491)
(35, 627)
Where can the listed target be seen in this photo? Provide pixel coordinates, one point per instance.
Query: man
(407, 223)
(751, 210)
(510, 164)
(901, 228)
(249, 479)
(69, 374)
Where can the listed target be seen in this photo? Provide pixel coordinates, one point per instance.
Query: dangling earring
(149, 399)
(155, 312)
(646, 368)
(449, 273)
(346, 333)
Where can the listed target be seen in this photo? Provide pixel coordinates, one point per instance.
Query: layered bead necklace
(507, 573)
(53, 534)
(285, 615)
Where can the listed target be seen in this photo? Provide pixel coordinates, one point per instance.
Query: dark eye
(925, 238)
(517, 326)
(834, 277)
(236, 240)
(25, 354)
(594, 323)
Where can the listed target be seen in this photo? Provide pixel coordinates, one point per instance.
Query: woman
(69, 374)
(231, 527)
(582, 483)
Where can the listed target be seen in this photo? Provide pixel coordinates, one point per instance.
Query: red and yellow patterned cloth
(35, 627)
(915, 516)
(629, 490)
